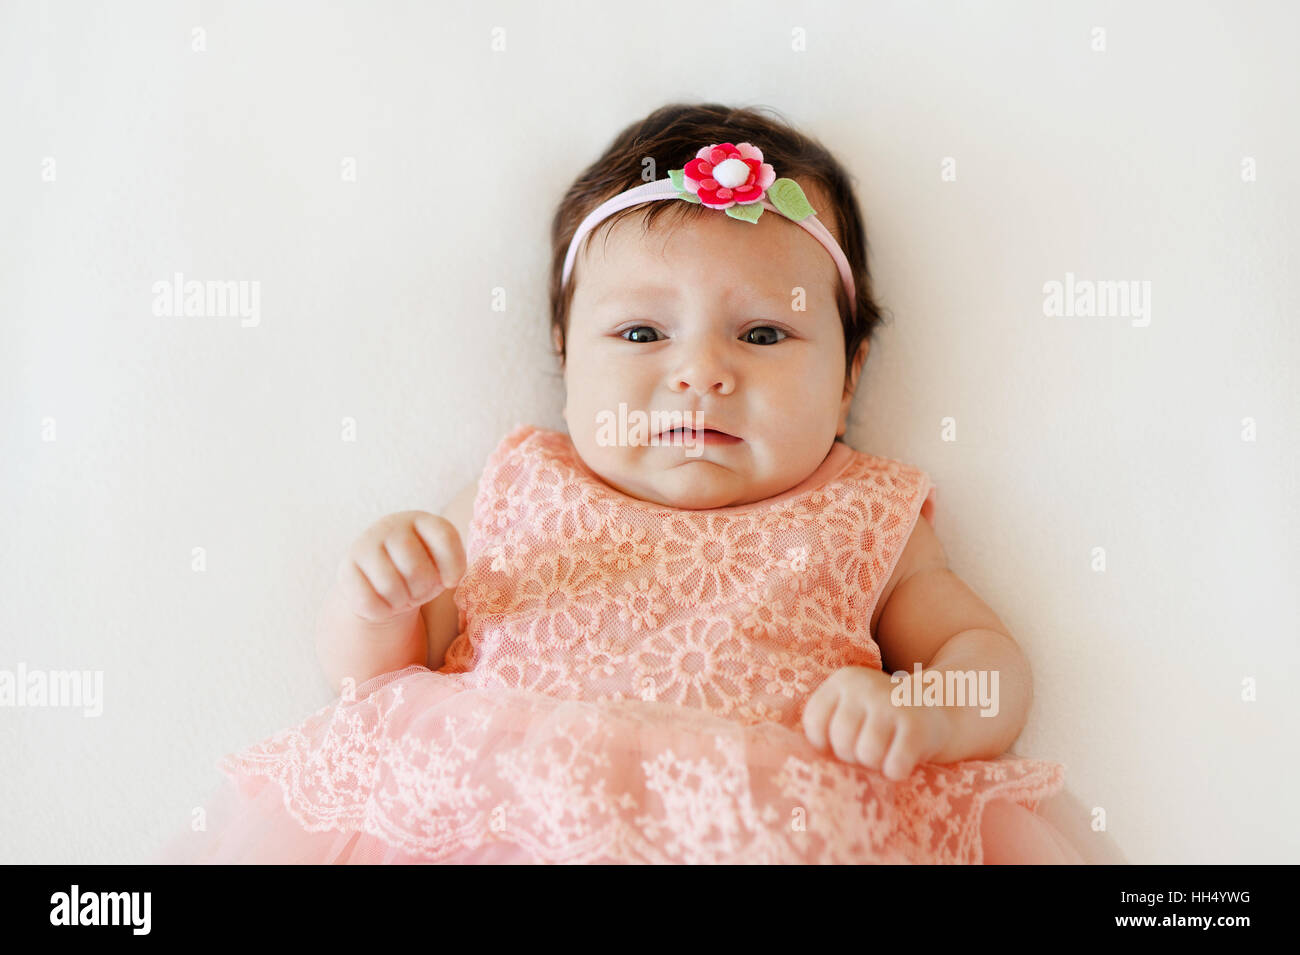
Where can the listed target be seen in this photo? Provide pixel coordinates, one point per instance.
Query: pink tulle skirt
(425, 767)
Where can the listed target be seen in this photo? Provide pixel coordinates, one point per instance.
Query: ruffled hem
(423, 768)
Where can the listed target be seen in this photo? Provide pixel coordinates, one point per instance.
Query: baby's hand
(402, 561)
(853, 710)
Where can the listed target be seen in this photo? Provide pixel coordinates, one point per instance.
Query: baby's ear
(855, 372)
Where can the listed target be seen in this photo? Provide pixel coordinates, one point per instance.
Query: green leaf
(679, 183)
(746, 213)
(789, 200)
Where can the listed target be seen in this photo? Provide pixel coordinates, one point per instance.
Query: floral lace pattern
(629, 681)
(453, 768)
(575, 589)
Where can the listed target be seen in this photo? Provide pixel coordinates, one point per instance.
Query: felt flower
(724, 174)
(733, 177)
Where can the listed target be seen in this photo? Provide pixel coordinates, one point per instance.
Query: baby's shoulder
(460, 509)
(522, 435)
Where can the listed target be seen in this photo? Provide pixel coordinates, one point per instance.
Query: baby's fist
(399, 563)
(853, 714)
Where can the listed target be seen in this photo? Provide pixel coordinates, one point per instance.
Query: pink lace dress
(627, 686)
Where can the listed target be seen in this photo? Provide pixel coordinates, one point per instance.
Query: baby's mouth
(701, 435)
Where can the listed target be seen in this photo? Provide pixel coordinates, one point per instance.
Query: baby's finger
(360, 595)
(844, 728)
(414, 562)
(904, 751)
(873, 740)
(816, 715)
(444, 543)
(383, 576)
(918, 740)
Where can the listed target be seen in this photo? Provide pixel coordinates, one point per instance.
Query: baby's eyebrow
(747, 294)
(738, 294)
(623, 292)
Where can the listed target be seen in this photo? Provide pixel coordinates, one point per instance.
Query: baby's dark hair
(670, 136)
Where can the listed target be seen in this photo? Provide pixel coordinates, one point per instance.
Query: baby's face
(701, 318)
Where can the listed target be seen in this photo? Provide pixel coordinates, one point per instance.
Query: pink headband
(730, 177)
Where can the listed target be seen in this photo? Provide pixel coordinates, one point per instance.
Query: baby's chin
(696, 485)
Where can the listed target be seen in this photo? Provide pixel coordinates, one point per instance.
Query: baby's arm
(933, 618)
(372, 621)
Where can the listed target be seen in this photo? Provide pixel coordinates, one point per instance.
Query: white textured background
(174, 433)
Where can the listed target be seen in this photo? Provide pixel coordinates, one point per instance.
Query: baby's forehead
(644, 291)
(763, 260)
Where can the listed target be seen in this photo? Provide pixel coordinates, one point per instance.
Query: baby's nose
(705, 379)
(703, 367)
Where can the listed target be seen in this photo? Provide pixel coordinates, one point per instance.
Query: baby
(675, 645)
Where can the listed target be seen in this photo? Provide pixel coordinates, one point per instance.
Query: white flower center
(731, 173)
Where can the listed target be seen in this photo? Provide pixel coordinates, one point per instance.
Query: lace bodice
(577, 590)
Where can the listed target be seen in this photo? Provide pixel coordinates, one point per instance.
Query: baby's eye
(765, 328)
(639, 328)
